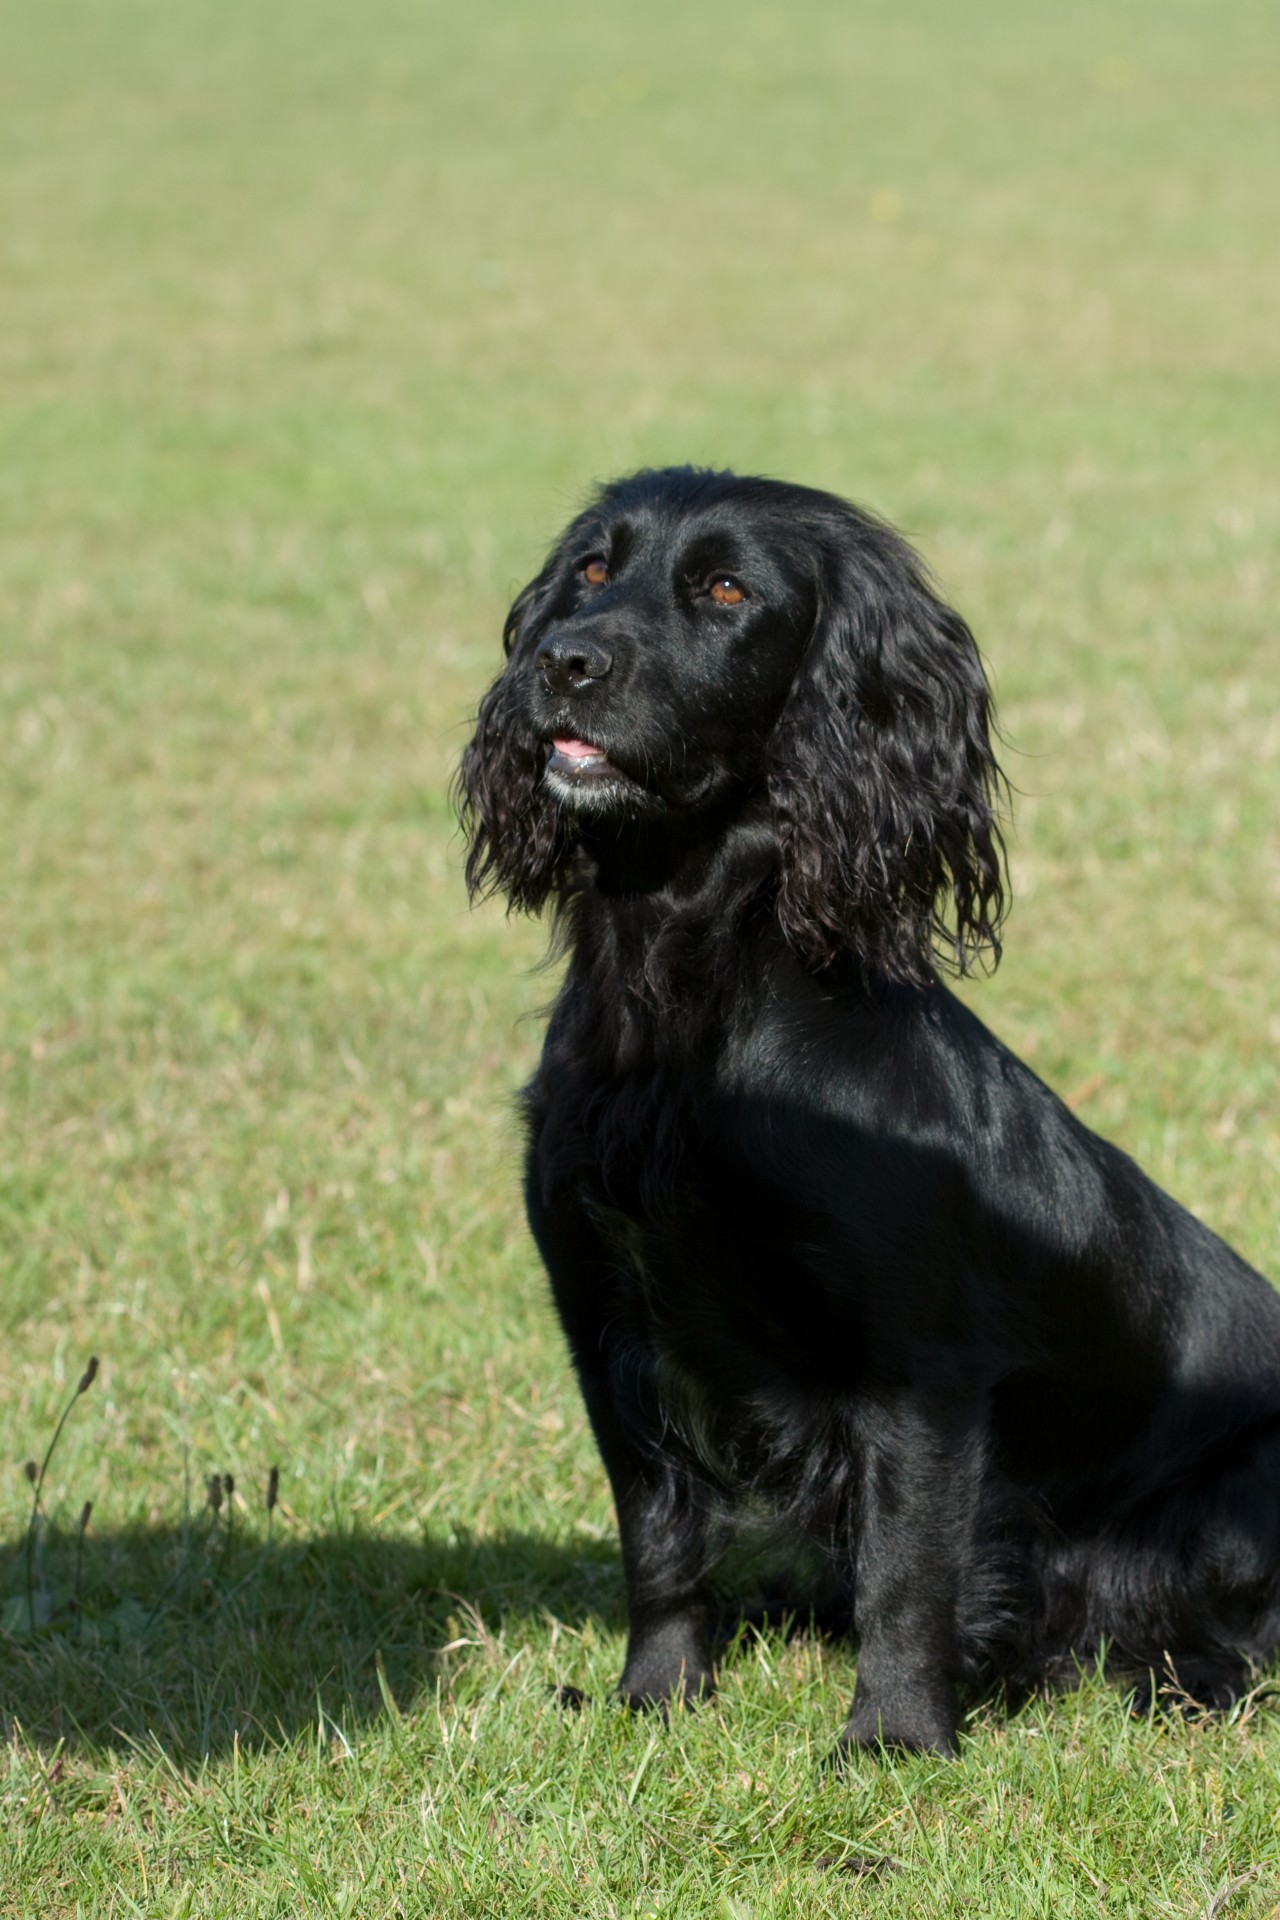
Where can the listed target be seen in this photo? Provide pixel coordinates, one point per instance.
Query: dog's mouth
(582, 762)
(580, 773)
(583, 779)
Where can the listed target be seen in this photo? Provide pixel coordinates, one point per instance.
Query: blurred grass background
(315, 324)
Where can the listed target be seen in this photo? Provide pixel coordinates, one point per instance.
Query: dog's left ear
(881, 773)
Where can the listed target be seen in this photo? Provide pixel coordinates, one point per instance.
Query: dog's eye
(594, 571)
(725, 591)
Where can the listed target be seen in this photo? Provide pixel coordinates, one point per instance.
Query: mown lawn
(315, 322)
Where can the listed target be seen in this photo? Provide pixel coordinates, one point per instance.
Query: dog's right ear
(516, 840)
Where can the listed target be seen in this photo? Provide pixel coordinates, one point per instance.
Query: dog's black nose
(569, 664)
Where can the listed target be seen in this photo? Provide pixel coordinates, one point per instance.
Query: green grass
(315, 324)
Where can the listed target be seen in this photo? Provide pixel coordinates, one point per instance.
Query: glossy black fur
(824, 1250)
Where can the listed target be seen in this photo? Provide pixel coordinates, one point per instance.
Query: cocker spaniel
(822, 1247)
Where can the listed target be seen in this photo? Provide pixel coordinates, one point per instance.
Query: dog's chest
(704, 1291)
(693, 1359)
(658, 1299)
(714, 1269)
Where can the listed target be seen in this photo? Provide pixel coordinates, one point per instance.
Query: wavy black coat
(824, 1250)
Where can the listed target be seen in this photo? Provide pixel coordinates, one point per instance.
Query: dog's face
(699, 642)
(657, 649)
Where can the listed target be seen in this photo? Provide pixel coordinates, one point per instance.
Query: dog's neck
(672, 910)
(676, 860)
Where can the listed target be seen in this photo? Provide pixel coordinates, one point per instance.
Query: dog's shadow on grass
(199, 1636)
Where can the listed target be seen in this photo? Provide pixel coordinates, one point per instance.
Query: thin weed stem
(86, 1380)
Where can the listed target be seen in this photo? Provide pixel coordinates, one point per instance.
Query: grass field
(315, 322)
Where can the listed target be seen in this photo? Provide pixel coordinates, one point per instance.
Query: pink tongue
(578, 750)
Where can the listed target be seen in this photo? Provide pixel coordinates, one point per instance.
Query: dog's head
(698, 641)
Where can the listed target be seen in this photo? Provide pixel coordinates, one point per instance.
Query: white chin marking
(598, 790)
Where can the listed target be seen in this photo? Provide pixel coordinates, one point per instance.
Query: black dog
(822, 1247)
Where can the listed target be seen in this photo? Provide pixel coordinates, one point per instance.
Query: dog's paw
(649, 1684)
(924, 1726)
(667, 1661)
(661, 1693)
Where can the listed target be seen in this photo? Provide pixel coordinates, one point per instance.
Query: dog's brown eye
(726, 592)
(595, 572)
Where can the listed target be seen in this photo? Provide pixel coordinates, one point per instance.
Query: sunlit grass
(315, 327)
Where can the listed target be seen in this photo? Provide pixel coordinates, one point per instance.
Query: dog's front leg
(663, 1527)
(917, 1496)
(662, 1513)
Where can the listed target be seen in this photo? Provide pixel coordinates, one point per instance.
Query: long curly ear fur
(881, 773)
(517, 843)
